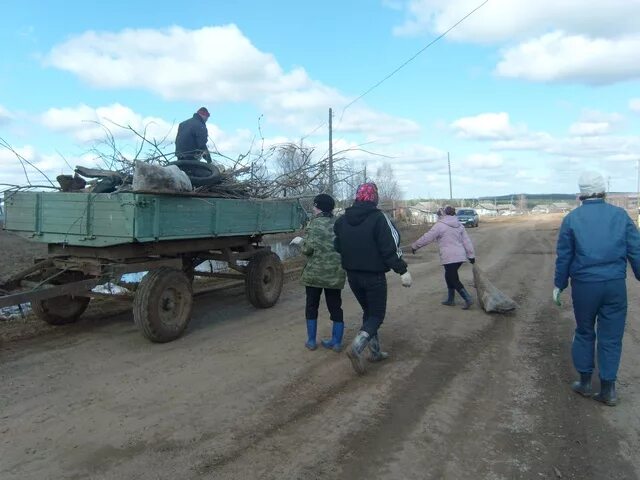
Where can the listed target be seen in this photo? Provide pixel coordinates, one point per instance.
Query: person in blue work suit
(594, 244)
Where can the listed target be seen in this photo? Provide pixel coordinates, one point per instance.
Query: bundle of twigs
(282, 170)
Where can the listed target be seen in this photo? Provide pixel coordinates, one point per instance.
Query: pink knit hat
(367, 192)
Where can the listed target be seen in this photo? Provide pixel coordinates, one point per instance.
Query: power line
(369, 90)
(314, 130)
(404, 64)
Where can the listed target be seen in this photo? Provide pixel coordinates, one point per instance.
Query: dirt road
(465, 395)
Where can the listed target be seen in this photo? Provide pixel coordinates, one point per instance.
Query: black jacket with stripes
(368, 241)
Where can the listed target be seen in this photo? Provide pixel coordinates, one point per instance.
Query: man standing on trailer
(191, 140)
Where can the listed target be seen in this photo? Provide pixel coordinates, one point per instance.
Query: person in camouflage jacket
(323, 272)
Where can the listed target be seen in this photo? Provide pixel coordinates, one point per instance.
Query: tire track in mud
(579, 449)
(372, 452)
(291, 406)
(303, 398)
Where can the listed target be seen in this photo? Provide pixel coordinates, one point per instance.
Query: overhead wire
(413, 57)
(397, 69)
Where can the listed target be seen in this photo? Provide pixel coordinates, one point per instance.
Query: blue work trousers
(600, 309)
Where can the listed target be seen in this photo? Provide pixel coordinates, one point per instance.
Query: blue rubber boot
(312, 328)
(335, 343)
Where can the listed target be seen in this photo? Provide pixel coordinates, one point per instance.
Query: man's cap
(591, 183)
(204, 111)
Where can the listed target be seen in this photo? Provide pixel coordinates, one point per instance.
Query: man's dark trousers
(370, 289)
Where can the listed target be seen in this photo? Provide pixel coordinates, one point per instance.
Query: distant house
(423, 212)
(561, 207)
(540, 209)
(628, 201)
(488, 209)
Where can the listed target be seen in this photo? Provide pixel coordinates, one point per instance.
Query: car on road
(468, 217)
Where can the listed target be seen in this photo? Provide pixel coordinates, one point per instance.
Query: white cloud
(533, 177)
(13, 170)
(585, 41)
(634, 105)
(5, 115)
(587, 129)
(485, 126)
(558, 57)
(484, 160)
(506, 20)
(594, 123)
(88, 124)
(209, 65)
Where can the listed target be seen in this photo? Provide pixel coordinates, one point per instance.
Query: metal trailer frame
(59, 286)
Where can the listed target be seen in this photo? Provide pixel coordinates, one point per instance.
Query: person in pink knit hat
(455, 249)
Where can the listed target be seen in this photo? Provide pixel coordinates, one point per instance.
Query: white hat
(591, 183)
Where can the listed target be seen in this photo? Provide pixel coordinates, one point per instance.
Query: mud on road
(464, 395)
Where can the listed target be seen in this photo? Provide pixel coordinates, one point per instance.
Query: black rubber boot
(583, 386)
(450, 301)
(468, 301)
(607, 393)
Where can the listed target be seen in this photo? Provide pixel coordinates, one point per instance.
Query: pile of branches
(280, 170)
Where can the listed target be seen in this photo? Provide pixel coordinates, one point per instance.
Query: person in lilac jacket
(455, 248)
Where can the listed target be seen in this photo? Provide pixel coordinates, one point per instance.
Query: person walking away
(322, 272)
(369, 246)
(455, 248)
(191, 140)
(594, 244)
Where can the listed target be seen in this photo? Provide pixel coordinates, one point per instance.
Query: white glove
(296, 241)
(406, 279)
(556, 296)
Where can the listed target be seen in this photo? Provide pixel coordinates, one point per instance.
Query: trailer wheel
(60, 310)
(264, 279)
(162, 304)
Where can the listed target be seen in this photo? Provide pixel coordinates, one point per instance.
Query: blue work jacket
(594, 244)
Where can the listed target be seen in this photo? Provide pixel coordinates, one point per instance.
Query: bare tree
(388, 187)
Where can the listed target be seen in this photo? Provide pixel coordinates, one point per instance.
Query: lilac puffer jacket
(453, 241)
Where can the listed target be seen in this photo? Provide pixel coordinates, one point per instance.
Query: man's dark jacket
(191, 140)
(367, 240)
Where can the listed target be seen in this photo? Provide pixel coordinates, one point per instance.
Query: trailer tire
(264, 279)
(60, 310)
(201, 174)
(162, 304)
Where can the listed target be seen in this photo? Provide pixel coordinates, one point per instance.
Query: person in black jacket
(369, 245)
(191, 140)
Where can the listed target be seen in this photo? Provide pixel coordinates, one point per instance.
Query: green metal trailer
(95, 238)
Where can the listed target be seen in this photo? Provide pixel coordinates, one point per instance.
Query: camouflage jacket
(323, 269)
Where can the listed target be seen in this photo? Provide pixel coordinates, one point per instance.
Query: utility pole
(450, 188)
(365, 173)
(330, 152)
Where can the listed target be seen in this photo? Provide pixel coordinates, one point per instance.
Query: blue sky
(523, 97)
